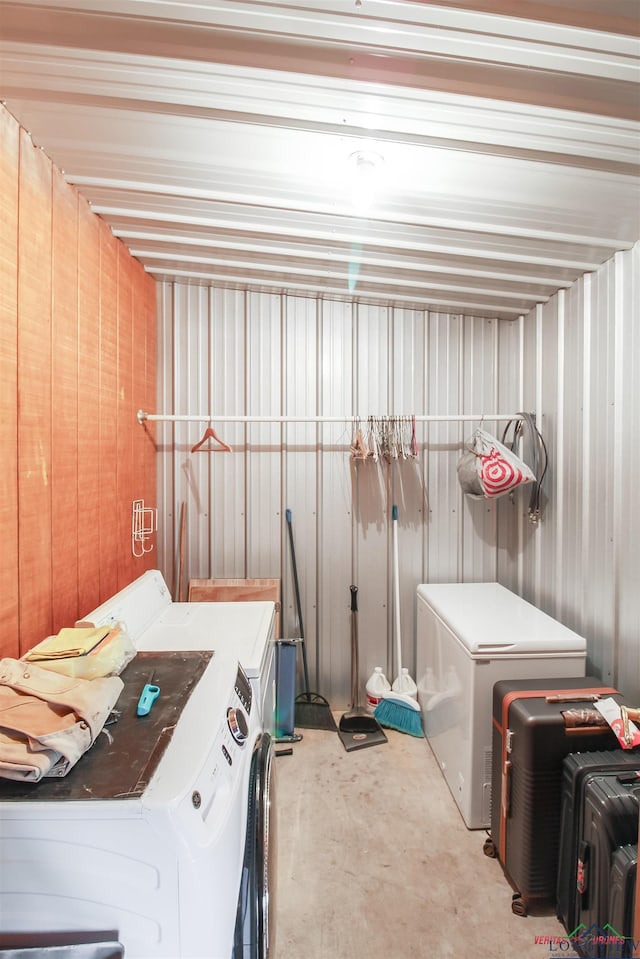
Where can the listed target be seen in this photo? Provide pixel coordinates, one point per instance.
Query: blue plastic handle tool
(148, 697)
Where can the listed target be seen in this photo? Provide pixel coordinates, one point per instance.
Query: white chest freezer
(469, 636)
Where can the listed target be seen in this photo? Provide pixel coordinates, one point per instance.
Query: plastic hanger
(359, 450)
(210, 434)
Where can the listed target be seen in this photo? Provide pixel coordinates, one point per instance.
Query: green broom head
(401, 712)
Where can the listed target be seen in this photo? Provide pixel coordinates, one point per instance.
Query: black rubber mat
(125, 755)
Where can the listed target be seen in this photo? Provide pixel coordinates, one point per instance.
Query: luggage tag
(618, 718)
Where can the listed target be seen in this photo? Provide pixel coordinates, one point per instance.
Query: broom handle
(296, 586)
(355, 656)
(396, 591)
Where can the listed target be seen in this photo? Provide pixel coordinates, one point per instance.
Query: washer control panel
(243, 689)
(214, 786)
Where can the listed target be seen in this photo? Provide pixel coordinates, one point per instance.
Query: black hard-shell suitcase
(622, 887)
(577, 770)
(609, 820)
(530, 740)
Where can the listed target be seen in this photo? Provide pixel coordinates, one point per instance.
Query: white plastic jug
(377, 684)
(405, 684)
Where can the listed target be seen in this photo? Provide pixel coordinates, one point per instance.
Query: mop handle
(396, 592)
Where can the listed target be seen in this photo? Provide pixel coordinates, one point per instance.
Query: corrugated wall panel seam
(619, 442)
(519, 545)
(587, 532)
(629, 599)
(559, 452)
(533, 583)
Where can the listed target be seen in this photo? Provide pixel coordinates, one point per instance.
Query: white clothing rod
(211, 418)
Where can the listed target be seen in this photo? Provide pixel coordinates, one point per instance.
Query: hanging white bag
(488, 469)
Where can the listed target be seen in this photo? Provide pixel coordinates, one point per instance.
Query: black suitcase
(530, 741)
(622, 888)
(577, 770)
(609, 820)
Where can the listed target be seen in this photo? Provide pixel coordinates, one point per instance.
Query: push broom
(396, 709)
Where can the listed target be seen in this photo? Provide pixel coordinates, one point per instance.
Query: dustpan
(357, 728)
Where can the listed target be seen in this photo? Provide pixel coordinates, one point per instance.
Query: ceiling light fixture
(365, 169)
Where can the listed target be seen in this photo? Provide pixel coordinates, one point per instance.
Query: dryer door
(254, 935)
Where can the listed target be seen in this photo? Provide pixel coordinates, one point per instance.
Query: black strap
(537, 457)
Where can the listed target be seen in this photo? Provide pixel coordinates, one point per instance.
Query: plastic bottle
(377, 684)
(405, 684)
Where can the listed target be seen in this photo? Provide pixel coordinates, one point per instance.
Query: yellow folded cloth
(69, 642)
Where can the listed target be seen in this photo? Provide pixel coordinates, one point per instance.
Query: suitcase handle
(505, 798)
(582, 870)
(576, 698)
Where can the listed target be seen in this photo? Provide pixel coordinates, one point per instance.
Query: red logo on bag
(498, 475)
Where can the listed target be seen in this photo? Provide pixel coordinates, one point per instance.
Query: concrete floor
(375, 862)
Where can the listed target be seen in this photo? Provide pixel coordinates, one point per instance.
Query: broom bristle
(403, 714)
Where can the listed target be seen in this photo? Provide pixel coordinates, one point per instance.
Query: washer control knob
(238, 725)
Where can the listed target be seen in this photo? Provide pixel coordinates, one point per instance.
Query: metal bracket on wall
(144, 523)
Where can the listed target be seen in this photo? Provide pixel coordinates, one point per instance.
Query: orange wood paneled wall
(77, 359)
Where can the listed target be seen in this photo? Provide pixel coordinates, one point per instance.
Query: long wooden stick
(179, 590)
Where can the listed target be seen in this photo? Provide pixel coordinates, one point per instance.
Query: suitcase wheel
(518, 905)
(489, 848)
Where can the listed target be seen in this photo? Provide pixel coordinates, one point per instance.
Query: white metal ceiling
(214, 138)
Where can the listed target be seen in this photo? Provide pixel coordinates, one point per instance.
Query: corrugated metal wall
(581, 366)
(572, 361)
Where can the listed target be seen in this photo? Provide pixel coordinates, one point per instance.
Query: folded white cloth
(47, 720)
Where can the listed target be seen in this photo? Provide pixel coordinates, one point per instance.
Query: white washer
(165, 843)
(243, 630)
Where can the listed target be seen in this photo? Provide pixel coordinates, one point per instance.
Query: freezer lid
(491, 621)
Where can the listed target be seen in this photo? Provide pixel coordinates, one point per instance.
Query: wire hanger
(210, 433)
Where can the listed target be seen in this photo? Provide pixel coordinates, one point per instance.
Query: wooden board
(107, 452)
(34, 385)
(9, 179)
(126, 489)
(237, 591)
(90, 503)
(64, 391)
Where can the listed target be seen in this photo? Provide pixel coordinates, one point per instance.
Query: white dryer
(161, 832)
